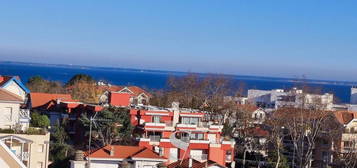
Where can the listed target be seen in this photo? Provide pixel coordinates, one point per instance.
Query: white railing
(155, 138)
(24, 156)
(25, 113)
(202, 157)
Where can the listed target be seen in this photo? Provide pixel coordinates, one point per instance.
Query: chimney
(190, 163)
(111, 151)
(176, 109)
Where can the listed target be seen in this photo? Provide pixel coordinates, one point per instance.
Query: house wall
(145, 164)
(39, 149)
(105, 164)
(15, 110)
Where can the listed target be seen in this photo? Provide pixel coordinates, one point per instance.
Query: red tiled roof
(8, 96)
(195, 164)
(146, 153)
(134, 89)
(344, 117)
(40, 99)
(123, 152)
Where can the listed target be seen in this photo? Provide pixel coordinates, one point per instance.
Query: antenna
(92, 120)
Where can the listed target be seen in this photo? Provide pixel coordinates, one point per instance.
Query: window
(196, 136)
(190, 120)
(156, 119)
(40, 148)
(7, 115)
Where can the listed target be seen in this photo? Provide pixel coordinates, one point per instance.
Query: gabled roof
(125, 152)
(41, 99)
(135, 90)
(8, 96)
(195, 164)
(5, 80)
(344, 117)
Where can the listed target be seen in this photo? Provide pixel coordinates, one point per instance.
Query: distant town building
(292, 98)
(124, 96)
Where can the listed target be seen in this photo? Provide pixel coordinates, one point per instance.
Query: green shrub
(38, 120)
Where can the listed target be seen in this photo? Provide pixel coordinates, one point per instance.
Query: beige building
(31, 150)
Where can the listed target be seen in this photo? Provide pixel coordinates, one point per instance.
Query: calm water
(157, 79)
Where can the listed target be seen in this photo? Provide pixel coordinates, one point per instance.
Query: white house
(13, 103)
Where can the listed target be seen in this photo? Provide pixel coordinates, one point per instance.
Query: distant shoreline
(178, 73)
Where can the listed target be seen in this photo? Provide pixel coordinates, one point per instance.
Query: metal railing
(154, 138)
(25, 113)
(202, 157)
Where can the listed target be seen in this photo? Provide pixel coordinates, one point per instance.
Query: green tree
(80, 78)
(60, 150)
(38, 120)
(38, 84)
(111, 125)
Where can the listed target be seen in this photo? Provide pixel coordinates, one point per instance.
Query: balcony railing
(24, 115)
(24, 156)
(202, 157)
(154, 138)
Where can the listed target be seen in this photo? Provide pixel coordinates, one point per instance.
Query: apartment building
(177, 133)
(31, 150)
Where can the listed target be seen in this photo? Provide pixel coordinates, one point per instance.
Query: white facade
(115, 163)
(293, 98)
(11, 116)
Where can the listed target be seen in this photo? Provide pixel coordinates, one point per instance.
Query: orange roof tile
(123, 152)
(146, 153)
(8, 96)
(344, 117)
(40, 99)
(195, 164)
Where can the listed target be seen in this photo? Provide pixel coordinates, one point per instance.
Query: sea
(157, 79)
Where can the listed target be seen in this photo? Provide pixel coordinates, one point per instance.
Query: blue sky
(266, 38)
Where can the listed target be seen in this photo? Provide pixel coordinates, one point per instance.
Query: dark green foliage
(80, 78)
(111, 125)
(38, 120)
(60, 151)
(273, 157)
(38, 84)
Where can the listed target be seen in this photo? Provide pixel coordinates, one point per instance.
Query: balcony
(154, 138)
(24, 116)
(201, 158)
(24, 156)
